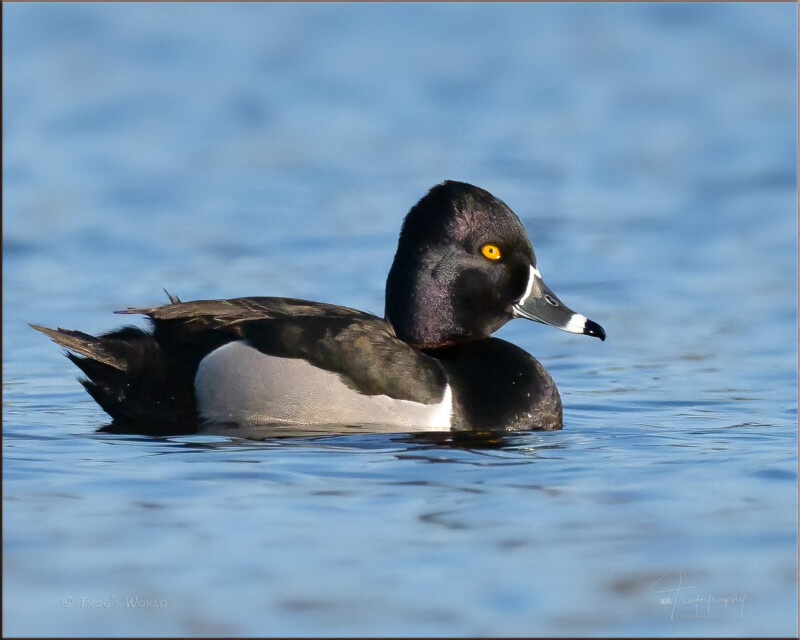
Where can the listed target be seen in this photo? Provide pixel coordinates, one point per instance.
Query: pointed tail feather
(83, 344)
(128, 374)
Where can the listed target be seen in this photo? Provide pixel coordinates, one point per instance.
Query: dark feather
(138, 376)
(129, 375)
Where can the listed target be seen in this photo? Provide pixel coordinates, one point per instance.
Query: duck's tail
(130, 377)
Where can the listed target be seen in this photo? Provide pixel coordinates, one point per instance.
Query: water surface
(258, 149)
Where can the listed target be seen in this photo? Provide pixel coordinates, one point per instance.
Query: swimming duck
(464, 267)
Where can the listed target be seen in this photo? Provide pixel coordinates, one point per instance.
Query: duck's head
(464, 267)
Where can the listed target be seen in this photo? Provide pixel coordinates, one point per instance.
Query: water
(227, 150)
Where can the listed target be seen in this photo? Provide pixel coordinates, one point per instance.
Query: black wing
(358, 346)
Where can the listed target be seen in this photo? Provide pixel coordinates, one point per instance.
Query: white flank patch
(239, 385)
(576, 324)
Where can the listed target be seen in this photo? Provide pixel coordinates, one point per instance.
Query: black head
(462, 261)
(464, 267)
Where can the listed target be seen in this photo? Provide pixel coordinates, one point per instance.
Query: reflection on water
(268, 149)
(224, 432)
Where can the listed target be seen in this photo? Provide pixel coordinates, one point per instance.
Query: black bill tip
(593, 329)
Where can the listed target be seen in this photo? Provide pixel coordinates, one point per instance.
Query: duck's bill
(541, 305)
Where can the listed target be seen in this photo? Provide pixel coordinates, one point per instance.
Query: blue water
(258, 149)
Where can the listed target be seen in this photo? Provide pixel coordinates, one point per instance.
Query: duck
(464, 267)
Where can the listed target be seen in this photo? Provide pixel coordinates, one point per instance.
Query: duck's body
(464, 267)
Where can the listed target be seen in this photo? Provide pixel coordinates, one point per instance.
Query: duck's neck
(430, 308)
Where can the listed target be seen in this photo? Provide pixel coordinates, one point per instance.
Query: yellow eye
(491, 251)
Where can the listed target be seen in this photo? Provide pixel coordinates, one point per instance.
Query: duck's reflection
(340, 436)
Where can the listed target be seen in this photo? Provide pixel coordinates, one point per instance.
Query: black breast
(499, 387)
